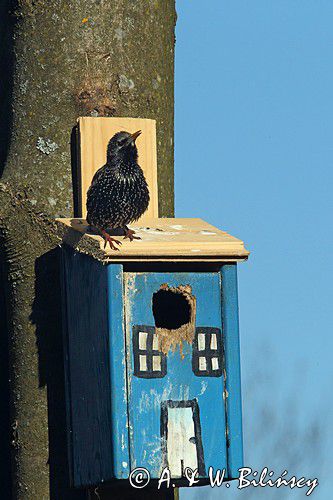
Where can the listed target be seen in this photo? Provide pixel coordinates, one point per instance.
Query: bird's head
(122, 146)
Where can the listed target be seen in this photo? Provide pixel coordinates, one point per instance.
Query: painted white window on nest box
(143, 363)
(149, 361)
(202, 363)
(215, 363)
(143, 340)
(207, 352)
(157, 363)
(213, 341)
(155, 343)
(201, 341)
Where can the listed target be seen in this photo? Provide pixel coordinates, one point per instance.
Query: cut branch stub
(174, 310)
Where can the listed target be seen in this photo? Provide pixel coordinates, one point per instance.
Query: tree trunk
(64, 59)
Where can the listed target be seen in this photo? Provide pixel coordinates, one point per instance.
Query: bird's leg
(108, 239)
(129, 233)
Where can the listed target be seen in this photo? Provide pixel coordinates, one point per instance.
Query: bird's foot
(111, 241)
(129, 233)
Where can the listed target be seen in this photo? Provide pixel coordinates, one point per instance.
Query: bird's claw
(130, 235)
(110, 241)
(131, 238)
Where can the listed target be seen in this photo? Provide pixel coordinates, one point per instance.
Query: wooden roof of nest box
(162, 239)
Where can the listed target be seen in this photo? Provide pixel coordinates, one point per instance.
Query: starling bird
(118, 194)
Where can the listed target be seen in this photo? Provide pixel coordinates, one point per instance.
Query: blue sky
(254, 156)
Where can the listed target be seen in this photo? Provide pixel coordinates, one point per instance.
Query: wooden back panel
(94, 135)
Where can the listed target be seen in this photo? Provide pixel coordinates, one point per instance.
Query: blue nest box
(152, 349)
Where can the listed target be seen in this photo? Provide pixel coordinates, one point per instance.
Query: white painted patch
(144, 403)
(169, 233)
(166, 394)
(155, 342)
(143, 340)
(155, 232)
(168, 391)
(143, 363)
(156, 363)
(204, 386)
(201, 341)
(213, 341)
(180, 448)
(207, 233)
(183, 393)
(215, 364)
(154, 453)
(178, 227)
(195, 249)
(202, 363)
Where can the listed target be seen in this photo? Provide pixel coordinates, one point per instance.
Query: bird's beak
(135, 135)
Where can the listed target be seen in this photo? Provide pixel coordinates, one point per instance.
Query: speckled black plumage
(118, 194)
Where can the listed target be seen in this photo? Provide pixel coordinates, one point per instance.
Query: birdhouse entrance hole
(171, 310)
(174, 315)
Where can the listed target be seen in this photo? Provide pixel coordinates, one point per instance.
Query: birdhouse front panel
(176, 372)
(152, 370)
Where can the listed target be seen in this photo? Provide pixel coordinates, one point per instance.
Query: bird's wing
(98, 174)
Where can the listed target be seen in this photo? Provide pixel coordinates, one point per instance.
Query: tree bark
(63, 59)
(94, 58)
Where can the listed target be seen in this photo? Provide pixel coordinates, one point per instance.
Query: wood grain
(233, 395)
(94, 135)
(175, 239)
(87, 370)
